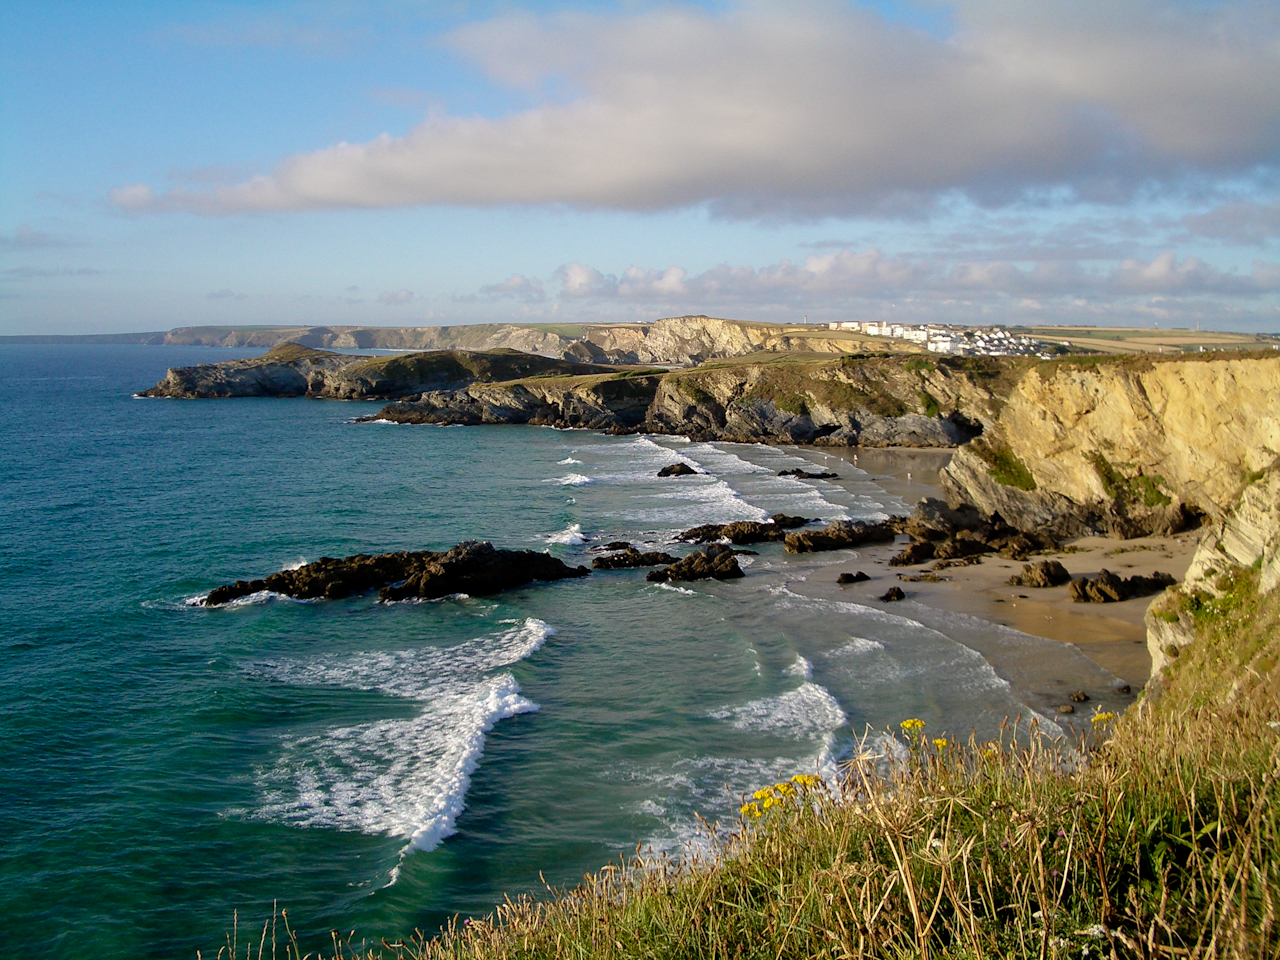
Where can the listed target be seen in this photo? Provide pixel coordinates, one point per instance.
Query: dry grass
(1160, 843)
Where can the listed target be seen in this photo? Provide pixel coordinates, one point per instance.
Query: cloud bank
(815, 109)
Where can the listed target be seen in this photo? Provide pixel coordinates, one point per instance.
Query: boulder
(631, 558)
(471, 567)
(680, 469)
(1106, 587)
(712, 562)
(1042, 573)
(847, 578)
(839, 535)
(893, 594)
(616, 545)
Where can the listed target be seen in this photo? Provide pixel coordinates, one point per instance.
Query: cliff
(868, 401)
(291, 370)
(1123, 446)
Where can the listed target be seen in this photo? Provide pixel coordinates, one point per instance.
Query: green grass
(1129, 490)
(1003, 465)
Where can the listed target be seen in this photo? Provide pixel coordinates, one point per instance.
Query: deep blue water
(381, 767)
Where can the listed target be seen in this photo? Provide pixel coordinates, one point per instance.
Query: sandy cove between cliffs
(1112, 635)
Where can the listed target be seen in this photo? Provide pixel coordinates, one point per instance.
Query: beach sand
(1110, 634)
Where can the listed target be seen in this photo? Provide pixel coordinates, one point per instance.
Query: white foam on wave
(570, 480)
(857, 646)
(570, 536)
(568, 461)
(296, 564)
(801, 668)
(672, 588)
(405, 778)
(809, 712)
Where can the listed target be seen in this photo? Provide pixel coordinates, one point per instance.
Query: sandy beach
(1110, 634)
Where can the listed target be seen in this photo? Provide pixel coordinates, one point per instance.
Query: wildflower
(806, 780)
(912, 725)
(751, 810)
(763, 793)
(940, 743)
(1062, 833)
(1098, 719)
(784, 789)
(769, 802)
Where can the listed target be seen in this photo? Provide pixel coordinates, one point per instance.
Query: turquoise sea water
(381, 767)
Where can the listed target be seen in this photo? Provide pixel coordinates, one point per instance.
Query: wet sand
(1110, 634)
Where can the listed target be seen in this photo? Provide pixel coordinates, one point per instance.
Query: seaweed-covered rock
(839, 535)
(745, 531)
(1107, 587)
(1042, 573)
(712, 562)
(472, 567)
(809, 475)
(680, 469)
(631, 558)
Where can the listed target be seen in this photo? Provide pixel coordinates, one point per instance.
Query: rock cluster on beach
(809, 475)
(1107, 587)
(743, 532)
(939, 532)
(1042, 573)
(473, 567)
(847, 578)
(712, 562)
(841, 534)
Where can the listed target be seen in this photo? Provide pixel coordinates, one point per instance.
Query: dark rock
(806, 475)
(1119, 686)
(840, 534)
(1106, 587)
(630, 559)
(1079, 697)
(858, 577)
(616, 545)
(893, 594)
(1042, 573)
(472, 567)
(712, 562)
(1066, 708)
(745, 531)
(681, 469)
(919, 551)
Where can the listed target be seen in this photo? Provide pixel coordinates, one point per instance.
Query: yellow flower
(912, 725)
(1100, 718)
(763, 794)
(751, 810)
(940, 743)
(806, 780)
(770, 802)
(784, 789)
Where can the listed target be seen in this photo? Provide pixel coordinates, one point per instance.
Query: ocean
(382, 767)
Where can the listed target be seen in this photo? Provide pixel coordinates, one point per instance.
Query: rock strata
(473, 567)
(1042, 573)
(840, 535)
(712, 562)
(1106, 587)
(630, 558)
(680, 469)
(742, 532)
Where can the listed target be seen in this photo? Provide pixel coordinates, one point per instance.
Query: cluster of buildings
(962, 341)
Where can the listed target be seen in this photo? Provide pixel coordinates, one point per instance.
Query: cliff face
(290, 370)
(1127, 447)
(872, 402)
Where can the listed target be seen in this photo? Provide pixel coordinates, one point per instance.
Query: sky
(387, 162)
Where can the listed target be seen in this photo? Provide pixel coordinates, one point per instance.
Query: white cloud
(516, 286)
(396, 298)
(771, 109)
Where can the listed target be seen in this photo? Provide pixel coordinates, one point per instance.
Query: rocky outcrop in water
(847, 578)
(473, 567)
(291, 370)
(841, 535)
(809, 475)
(630, 558)
(1042, 573)
(712, 562)
(678, 470)
(1106, 587)
(742, 532)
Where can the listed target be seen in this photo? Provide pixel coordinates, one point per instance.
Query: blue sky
(401, 163)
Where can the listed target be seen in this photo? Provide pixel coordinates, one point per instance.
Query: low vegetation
(1003, 465)
(1129, 490)
(1158, 840)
